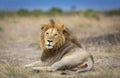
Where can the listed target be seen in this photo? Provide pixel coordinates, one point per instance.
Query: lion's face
(53, 38)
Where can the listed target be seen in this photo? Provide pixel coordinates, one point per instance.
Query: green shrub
(36, 12)
(113, 12)
(1, 15)
(23, 12)
(91, 14)
(56, 11)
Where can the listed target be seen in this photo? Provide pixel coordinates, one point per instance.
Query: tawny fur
(66, 53)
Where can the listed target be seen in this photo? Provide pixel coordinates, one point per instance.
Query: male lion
(60, 50)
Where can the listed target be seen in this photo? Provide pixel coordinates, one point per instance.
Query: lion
(60, 50)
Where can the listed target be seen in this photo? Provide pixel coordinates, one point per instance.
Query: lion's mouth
(49, 46)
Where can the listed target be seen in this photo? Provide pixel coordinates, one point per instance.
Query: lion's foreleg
(60, 65)
(37, 63)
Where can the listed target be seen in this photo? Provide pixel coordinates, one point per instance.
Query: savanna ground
(19, 45)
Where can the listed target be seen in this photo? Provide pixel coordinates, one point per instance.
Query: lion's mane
(66, 33)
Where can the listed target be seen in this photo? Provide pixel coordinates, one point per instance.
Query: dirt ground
(19, 45)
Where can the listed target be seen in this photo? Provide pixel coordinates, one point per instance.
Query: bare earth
(19, 45)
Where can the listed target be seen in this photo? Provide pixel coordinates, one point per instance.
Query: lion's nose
(49, 41)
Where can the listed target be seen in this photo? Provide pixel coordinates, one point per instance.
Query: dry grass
(19, 45)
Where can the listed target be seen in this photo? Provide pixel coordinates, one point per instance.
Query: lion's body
(60, 50)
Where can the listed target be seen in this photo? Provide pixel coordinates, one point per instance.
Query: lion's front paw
(27, 66)
(49, 69)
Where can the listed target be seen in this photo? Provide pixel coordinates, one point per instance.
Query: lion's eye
(47, 33)
(56, 34)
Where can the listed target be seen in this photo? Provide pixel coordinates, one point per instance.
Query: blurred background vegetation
(54, 11)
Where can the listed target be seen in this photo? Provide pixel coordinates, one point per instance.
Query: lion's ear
(65, 30)
(43, 26)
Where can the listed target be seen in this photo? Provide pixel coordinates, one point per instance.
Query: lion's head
(54, 35)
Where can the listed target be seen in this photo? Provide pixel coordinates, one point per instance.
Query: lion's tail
(89, 65)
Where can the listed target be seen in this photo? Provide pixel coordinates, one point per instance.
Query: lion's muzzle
(49, 44)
